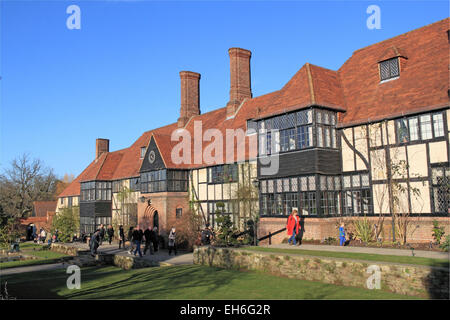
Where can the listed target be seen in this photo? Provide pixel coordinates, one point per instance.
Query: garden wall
(420, 229)
(423, 281)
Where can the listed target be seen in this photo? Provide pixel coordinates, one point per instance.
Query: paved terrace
(162, 255)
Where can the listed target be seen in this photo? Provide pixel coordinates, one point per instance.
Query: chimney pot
(190, 96)
(240, 78)
(101, 146)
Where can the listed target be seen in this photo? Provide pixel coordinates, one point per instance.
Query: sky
(117, 76)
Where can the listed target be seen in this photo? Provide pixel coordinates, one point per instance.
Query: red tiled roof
(423, 81)
(40, 208)
(355, 90)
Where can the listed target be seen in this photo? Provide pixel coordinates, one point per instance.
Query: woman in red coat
(293, 226)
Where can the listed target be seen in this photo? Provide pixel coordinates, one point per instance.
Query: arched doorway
(156, 219)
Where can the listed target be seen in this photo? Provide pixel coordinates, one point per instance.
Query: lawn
(359, 256)
(178, 282)
(33, 249)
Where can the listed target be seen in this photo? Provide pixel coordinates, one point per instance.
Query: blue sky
(118, 76)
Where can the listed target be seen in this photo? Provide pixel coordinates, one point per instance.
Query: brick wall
(420, 229)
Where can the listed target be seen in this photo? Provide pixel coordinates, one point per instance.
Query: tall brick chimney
(101, 146)
(190, 96)
(240, 82)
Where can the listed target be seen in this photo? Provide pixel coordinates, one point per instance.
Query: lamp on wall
(149, 201)
(255, 183)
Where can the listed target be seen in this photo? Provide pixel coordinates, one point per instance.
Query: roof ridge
(402, 34)
(101, 165)
(310, 83)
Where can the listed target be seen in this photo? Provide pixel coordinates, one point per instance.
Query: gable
(157, 163)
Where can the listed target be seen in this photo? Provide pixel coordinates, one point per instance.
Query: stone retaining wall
(66, 249)
(83, 258)
(423, 281)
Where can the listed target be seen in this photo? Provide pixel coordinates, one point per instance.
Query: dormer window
(389, 69)
(143, 149)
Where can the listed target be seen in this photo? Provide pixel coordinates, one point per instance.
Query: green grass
(32, 249)
(178, 282)
(359, 256)
(25, 263)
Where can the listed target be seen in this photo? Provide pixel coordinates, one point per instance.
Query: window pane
(425, 127)
(333, 138)
(355, 181)
(438, 124)
(413, 129)
(327, 137)
(402, 130)
(304, 183)
(323, 183)
(384, 70)
(294, 186)
(394, 67)
(319, 137)
(312, 183)
(319, 116)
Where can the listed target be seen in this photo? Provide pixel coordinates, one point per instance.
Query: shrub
(226, 231)
(188, 230)
(363, 230)
(438, 232)
(446, 244)
(67, 223)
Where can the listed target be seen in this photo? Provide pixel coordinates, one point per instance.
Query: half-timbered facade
(339, 140)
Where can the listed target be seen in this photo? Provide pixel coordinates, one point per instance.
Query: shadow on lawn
(155, 283)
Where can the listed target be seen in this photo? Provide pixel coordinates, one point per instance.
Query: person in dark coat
(172, 245)
(95, 242)
(154, 236)
(121, 237)
(130, 239)
(102, 233)
(148, 240)
(110, 232)
(207, 235)
(137, 238)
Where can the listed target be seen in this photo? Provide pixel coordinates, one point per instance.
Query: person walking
(121, 237)
(102, 234)
(341, 235)
(172, 244)
(130, 239)
(293, 226)
(34, 235)
(95, 242)
(110, 232)
(148, 240)
(43, 235)
(137, 238)
(155, 239)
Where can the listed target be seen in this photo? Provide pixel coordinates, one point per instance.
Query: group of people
(293, 229)
(42, 235)
(135, 236)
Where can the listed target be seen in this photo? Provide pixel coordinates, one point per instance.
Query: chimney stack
(240, 82)
(190, 96)
(101, 146)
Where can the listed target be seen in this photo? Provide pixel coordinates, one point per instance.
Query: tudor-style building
(334, 135)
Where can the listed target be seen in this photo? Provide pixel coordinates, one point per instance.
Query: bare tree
(25, 181)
